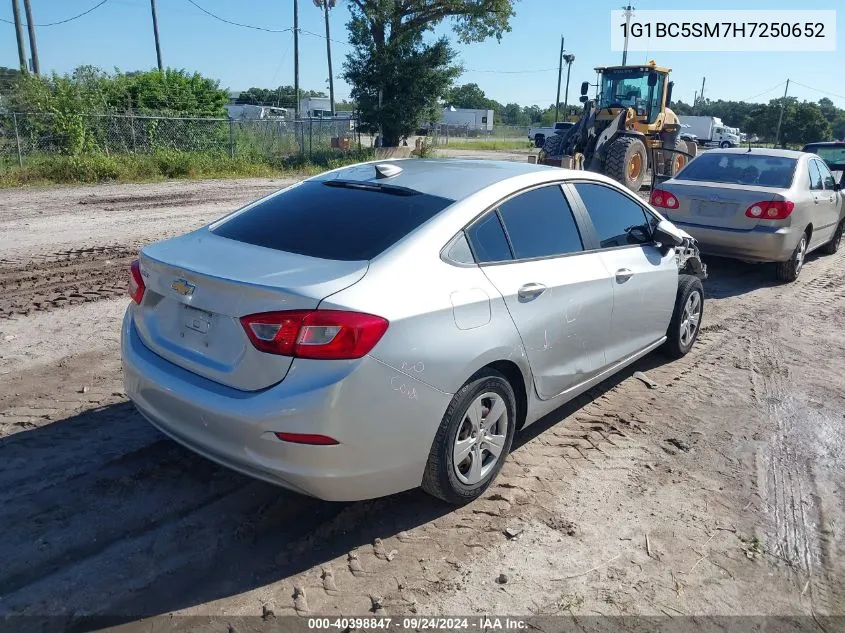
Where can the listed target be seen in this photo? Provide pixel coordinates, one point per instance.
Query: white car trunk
(190, 313)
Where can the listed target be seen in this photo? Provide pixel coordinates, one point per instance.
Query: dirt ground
(720, 492)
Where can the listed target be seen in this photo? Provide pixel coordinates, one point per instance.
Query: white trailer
(247, 111)
(468, 119)
(710, 131)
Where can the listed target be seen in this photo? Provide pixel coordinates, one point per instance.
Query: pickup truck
(539, 134)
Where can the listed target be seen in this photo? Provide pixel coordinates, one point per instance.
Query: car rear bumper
(760, 244)
(384, 434)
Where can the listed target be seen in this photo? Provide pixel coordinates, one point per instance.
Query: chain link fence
(511, 136)
(26, 135)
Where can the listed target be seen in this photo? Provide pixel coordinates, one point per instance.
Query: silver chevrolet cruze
(391, 325)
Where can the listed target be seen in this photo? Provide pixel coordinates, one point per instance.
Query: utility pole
(326, 5)
(629, 11)
(33, 47)
(296, 56)
(16, 15)
(155, 32)
(569, 58)
(701, 94)
(559, 74)
(780, 118)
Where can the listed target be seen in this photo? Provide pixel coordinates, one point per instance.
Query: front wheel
(686, 317)
(627, 162)
(724, 144)
(473, 439)
(539, 139)
(791, 268)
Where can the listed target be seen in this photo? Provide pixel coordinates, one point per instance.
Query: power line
(65, 21)
(764, 92)
(511, 72)
(245, 26)
(832, 94)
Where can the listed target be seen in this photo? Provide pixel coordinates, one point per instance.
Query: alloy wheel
(480, 439)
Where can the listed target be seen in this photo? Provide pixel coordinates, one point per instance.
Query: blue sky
(119, 34)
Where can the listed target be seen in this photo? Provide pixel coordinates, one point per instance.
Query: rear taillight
(663, 199)
(770, 210)
(136, 282)
(322, 334)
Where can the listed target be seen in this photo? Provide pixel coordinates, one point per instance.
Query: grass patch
(491, 144)
(164, 165)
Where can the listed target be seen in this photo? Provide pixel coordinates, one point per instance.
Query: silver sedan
(391, 325)
(758, 205)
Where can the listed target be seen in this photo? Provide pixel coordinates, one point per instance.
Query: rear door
(559, 295)
(644, 279)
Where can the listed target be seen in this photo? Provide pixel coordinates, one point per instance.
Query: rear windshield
(832, 155)
(333, 222)
(741, 169)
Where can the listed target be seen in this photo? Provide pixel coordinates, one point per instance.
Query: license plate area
(196, 320)
(716, 209)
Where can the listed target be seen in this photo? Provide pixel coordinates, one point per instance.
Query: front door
(559, 296)
(644, 278)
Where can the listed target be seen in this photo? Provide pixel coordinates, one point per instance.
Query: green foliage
(8, 78)
(281, 97)
(391, 56)
(94, 168)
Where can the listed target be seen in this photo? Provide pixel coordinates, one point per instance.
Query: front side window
(540, 223)
(618, 220)
(630, 89)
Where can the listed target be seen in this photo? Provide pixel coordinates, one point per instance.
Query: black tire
(678, 345)
(789, 270)
(724, 144)
(692, 149)
(833, 245)
(553, 145)
(673, 159)
(440, 478)
(620, 154)
(539, 140)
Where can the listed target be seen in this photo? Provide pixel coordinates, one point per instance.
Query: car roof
(452, 178)
(759, 151)
(825, 144)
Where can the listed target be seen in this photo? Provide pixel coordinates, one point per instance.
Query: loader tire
(676, 162)
(627, 162)
(552, 146)
(692, 149)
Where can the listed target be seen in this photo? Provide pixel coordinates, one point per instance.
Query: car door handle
(623, 275)
(531, 291)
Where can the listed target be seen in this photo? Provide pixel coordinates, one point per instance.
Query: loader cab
(641, 88)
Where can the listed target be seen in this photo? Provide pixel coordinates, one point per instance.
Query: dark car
(832, 153)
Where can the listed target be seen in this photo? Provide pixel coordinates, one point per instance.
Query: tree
(282, 97)
(469, 96)
(397, 77)
(8, 78)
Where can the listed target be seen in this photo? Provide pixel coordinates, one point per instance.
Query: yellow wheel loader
(628, 130)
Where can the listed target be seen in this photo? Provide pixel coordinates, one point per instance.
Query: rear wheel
(539, 139)
(627, 162)
(692, 148)
(473, 440)
(833, 245)
(686, 317)
(791, 268)
(552, 145)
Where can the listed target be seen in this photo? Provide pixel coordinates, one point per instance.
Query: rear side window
(333, 222)
(618, 220)
(540, 223)
(741, 169)
(488, 240)
(816, 183)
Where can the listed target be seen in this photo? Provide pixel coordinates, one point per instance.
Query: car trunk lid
(200, 284)
(721, 205)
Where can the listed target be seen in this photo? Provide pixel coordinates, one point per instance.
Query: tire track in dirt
(65, 278)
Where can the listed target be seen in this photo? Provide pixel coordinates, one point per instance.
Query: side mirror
(585, 86)
(669, 93)
(666, 234)
(583, 98)
(652, 79)
(837, 187)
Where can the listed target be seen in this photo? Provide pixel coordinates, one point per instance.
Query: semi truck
(710, 131)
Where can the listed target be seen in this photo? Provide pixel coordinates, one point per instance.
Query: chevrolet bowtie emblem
(183, 287)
